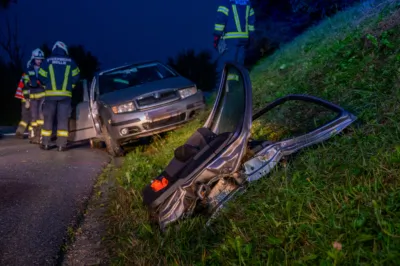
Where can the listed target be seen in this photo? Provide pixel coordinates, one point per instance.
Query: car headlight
(184, 93)
(123, 108)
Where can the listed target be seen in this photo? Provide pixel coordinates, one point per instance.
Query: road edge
(79, 218)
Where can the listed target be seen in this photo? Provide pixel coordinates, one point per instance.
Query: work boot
(19, 135)
(34, 137)
(44, 147)
(62, 148)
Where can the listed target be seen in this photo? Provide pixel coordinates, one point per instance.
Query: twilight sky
(117, 31)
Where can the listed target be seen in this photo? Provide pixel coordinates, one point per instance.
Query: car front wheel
(113, 148)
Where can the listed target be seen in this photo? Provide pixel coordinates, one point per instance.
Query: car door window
(230, 111)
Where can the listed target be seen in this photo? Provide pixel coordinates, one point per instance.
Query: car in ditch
(221, 158)
(133, 101)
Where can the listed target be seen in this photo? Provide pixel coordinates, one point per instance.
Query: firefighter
(59, 74)
(233, 31)
(25, 109)
(34, 91)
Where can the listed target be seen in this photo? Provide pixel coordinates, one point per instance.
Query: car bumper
(141, 123)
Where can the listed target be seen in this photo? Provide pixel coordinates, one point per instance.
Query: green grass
(334, 203)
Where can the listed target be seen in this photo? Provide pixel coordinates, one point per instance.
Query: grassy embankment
(338, 202)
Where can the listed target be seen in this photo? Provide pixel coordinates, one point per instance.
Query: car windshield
(132, 75)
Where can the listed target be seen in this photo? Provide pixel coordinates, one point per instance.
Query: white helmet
(60, 45)
(37, 54)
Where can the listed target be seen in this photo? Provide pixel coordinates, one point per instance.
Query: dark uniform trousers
(36, 111)
(60, 106)
(234, 53)
(25, 118)
(36, 117)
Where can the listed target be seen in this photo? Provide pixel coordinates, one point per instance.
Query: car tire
(113, 148)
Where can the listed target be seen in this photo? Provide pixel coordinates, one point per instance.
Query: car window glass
(133, 75)
(231, 107)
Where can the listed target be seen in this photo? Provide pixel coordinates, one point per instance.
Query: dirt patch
(388, 23)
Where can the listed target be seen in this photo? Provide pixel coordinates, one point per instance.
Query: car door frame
(84, 125)
(227, 158)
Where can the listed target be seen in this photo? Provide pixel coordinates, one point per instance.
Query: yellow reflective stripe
(233, 77)
(25, 91)
(52, 77)
(237, 35)
(37, 95)
(247, 18)
(62, 133)
(31, 73)
(23, 123)
(219, 27)
(46, 133)
(251, 28)
(236, 16)
(73, 85)
(30, 128)
(23, 100)
(66, 76)
(58, 93)
(34, 124)
(25, 78)
(40, 122)
(75, 72)
(251, 12)
(223, 10)
(43, 72)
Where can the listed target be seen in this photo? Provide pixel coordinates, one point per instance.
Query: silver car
(133, 101)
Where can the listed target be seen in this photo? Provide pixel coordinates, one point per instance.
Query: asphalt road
(41, 193)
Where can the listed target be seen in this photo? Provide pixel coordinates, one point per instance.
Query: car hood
(128, 94)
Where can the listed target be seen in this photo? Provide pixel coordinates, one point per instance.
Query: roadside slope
(334, 203)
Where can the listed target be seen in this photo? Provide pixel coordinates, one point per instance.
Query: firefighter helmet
(61, 45)
(37, 54)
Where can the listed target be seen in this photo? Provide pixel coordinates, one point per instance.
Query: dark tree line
(197, 67)
(280, 21)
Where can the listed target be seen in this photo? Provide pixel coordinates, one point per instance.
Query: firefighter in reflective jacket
(25, 109)
(59, 74)
(34, 91)
(233, 31)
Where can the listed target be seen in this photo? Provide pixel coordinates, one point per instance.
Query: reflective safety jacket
(33, 88)
(235, 20)
(19, 93)
(59, 74)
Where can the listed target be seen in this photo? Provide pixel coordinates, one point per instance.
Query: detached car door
(215, 150)
(219, 159)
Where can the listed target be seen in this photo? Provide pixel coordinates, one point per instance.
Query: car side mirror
(85, 90)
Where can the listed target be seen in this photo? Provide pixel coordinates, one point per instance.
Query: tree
(6, 3)
(197, 67)
(88, 63)
(46, 50)
(10, 44)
